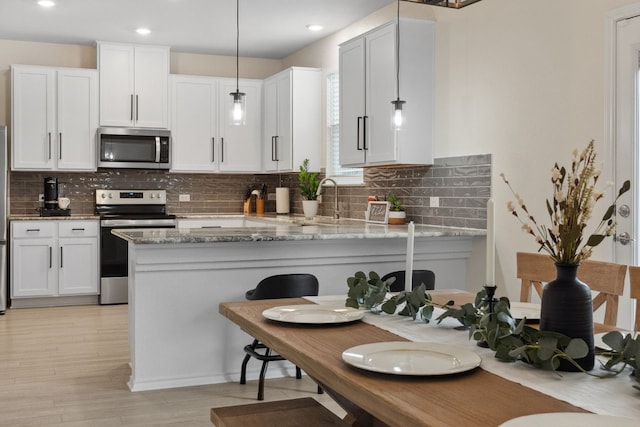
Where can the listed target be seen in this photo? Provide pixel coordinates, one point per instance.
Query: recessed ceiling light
(143, 31)
(314, 27)
(46, 3)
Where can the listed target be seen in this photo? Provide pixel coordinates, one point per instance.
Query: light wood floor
(69, 366)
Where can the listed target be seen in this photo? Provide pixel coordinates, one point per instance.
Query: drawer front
(77, 228)
(32, 229)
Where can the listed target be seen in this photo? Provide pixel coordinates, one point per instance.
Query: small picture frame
(378, 212)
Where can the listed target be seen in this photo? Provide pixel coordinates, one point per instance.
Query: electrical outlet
(41, 197)
(184, 197)
(434, 202)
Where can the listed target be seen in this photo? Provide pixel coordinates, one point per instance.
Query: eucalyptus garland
(511, 340)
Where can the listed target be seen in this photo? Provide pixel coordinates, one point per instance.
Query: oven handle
(114, 223)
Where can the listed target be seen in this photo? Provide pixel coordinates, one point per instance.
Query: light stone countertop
(344, 229)
(47, 218)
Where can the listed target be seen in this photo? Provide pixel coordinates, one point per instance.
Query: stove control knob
(153, 196)
(104, 196)
(110, 196)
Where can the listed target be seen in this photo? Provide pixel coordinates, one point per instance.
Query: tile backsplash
(461, 184)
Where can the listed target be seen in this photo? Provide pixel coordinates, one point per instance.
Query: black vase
(567, 309)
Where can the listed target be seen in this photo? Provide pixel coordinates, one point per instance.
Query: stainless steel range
(119, 209)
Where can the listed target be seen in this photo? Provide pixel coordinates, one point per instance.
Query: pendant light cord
(237, 46)
(398, 52)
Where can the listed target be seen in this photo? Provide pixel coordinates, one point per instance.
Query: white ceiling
(268, 28)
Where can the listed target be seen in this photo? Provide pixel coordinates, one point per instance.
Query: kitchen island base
(177, 338)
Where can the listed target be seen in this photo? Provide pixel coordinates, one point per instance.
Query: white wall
(521, 79)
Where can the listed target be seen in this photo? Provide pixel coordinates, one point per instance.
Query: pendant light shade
(238, 107)
(397, 113)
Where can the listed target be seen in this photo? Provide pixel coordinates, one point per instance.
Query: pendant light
(398, 116)
(238, 111)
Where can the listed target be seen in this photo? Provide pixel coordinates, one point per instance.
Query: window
(339, 174)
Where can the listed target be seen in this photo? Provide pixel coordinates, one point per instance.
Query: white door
(240, 149)
(115, 64)
(78, 266)
(625, 34)
(352, 102)
(194, 126)
(33, 117)
(77, 119)
(381, 76)
(151, 87)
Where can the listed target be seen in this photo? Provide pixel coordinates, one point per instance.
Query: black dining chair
(278, 286)
(427, 277)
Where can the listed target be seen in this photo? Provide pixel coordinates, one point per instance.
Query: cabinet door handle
(77, 229)
(364, 132)
(50, 257)
(211, 226)
(60, 146)
(49, 145)
(277, 150)
(131, 109)
(222, 150)
(33, 230)
(137, 103)
(358, 134)
(273, 150)
(61, 263)
(213, 149)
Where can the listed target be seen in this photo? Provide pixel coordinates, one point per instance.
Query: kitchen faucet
(336, 212)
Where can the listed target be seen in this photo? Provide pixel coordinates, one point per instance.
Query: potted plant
(308, 183)
(397, 214)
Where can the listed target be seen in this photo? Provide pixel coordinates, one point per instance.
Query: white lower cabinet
(51, 258)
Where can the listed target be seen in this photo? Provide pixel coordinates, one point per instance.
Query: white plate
(411, 358)
(313, 314)
(597, 339)
(520, 310)
(570, 419)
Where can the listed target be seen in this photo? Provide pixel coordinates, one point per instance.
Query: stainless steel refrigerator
(3, 219)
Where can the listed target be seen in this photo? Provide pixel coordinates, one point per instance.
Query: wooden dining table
(473, 398)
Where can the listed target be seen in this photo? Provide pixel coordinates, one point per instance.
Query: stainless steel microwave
(137, 148)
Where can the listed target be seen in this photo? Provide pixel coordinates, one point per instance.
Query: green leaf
(390, 306)
(595, 239)
(547, 347)
(352, 302)
(577, 349)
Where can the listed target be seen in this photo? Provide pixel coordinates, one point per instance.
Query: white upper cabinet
(194, 123)
(368, 85)
(134, 85)
(54, 118)
(202, 136)
(292, 120)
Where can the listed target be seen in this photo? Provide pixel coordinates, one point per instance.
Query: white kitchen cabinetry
(51, 258)
(134, 85)
(292, 120)
(368, 85)
(202, 136)
(54, 118)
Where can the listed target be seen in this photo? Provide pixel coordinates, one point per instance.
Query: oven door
(114, 257)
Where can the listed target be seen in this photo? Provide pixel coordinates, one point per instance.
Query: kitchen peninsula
(178, 277)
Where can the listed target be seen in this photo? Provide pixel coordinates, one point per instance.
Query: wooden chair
(605, 278)
(634, 280)
(534, 270)
(303, 412)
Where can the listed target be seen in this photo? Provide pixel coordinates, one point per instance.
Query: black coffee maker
(50, 193)
(50, 207)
